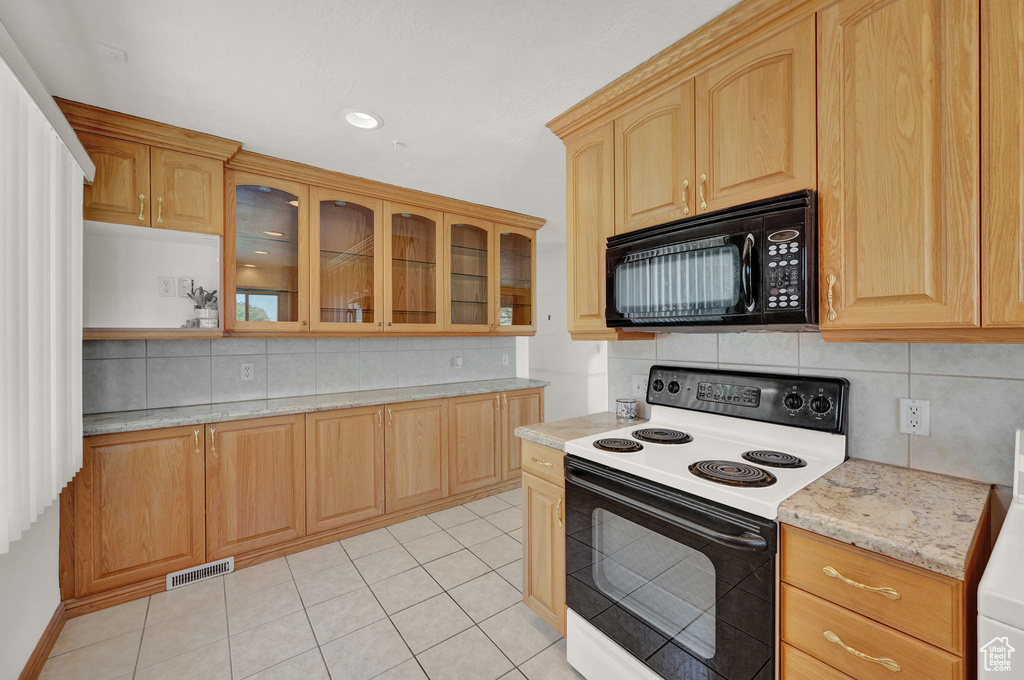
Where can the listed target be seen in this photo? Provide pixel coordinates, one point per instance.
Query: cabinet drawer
(806, 619)
(928, 607)
(543, 461)
(797, 665)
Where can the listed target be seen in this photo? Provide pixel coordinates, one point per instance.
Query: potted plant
(206, 313)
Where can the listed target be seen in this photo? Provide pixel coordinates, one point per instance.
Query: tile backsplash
(976, 391)
(125, 375)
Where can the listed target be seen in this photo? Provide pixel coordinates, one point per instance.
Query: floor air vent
(200, 573)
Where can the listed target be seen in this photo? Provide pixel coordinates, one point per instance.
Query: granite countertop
(150, 419)
(921, 518)
(556, 433)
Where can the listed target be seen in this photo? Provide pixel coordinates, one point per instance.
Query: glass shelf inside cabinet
(469, 282)
(413, 269)
(346, 263)
(516, 282)
(266, 254)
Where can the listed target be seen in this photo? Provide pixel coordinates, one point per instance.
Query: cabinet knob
(303, 323)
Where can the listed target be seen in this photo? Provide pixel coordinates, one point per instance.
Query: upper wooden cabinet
(347, 264)
(344, 467)
(414, 243)
(755, 121)
(898, 133)
(151, 187)
(1002, 163)
(470, 265)
(266, 254)
(138, 507)
(416, 453)
(654, 161)
(517, 276)
(255, 484)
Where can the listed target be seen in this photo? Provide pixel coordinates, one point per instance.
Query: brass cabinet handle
(497, 403)
(540, 462)
(159, 209)
(213, 440)
(142, 204)
(504, 400)
(380, 417)
(195, 433)
(686, 190)
(831, 279)
(390, 416)
(558, 510)
(880, 660)
(700, 190)
(885, 592)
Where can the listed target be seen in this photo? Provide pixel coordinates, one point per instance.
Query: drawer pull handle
(700, 191)
(884, 592)
(829, 298)
(558, 511)
(195, 433)
(540, 462)
(686, 190)
(881, 660)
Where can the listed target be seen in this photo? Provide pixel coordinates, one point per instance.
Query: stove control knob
(673, 387)
(658, 385)
(821, 404)
(793, 401)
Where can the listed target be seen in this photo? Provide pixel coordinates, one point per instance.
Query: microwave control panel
(784, 270)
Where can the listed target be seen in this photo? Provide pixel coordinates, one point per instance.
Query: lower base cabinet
(544, 535)
(138, 503)
(344, 467)
(474, 440)
(255, 484)
(416, 453)
(520, 408)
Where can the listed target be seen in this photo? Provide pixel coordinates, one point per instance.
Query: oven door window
(678, 603)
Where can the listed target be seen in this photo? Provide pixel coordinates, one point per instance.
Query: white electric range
(671, 538)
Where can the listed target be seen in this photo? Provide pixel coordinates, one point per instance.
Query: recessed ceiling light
(295, 203)
(274, 233)
(251, 266)
(265, 190)
(260, 252)
(364, 120)
(340, 204)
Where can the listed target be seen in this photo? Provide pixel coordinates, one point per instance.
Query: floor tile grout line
(309, 622)
(142, 636)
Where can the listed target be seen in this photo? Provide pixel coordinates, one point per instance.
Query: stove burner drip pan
(618, 445)
(662, 435)
(776, 459)
(733, 474)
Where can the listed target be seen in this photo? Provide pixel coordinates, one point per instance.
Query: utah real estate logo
(996, 655)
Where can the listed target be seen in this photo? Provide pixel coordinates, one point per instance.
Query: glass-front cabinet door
(347, 263)
(470, 274)
(517, 273)
(267, 242)
(414, 285)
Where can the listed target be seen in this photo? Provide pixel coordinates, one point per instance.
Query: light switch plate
(185, 284)
(165, 286)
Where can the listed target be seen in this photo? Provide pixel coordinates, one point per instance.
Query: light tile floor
(435, 597)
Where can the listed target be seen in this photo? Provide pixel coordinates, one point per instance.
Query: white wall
(29, 591)
(122, 264)
(577, 371)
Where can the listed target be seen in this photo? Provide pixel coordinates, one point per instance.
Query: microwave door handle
(748, 540)
(748, 273)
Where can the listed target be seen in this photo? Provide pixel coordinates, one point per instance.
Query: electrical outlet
(915, 417)
(504, 359)
(185, 285)
(165, 286)
(248, 372)
(457, 361)
(639, 386)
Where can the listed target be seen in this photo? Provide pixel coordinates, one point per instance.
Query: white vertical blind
(40, 310)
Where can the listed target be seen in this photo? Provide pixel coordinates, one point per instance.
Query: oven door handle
(748, 540)
(748, 272)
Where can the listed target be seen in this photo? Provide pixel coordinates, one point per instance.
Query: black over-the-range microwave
(749, 267)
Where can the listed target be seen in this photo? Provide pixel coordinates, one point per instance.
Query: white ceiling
(464, 86)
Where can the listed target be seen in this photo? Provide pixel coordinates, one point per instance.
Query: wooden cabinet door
(755, 118)
(416, 453)
(522, 407)
(188, 192)
(654, 156)
(255, 484)
(1002, 163)
(898, 139)
(413, 285)
(119, 192)
(590, 221)
(516, 280)
(544, 550)
(266, 256)
(138, 507)
(474, 442)
(344, 467)
(470, 297)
